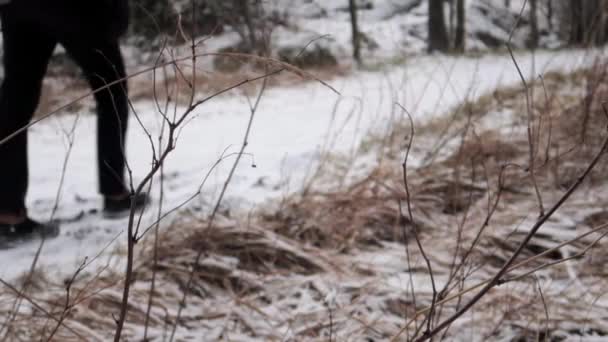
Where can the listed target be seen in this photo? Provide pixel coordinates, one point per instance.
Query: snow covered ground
(391, 29)
(394, 28)
(290, 128)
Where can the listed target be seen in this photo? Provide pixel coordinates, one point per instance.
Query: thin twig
(409, 205)
(546, 309)
(504, 269)
(211, 220)
(512, 268)
(43, 310)
(411, 218)
(531, 142)
(16, 307)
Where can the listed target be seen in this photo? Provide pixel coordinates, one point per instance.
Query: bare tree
(438, 36)
(451, 19)
(246, 13)
(586, 22)
(550, 12)
(533, 40)
(355, 31)
(594, 18)
(577, 31)
(460, 37)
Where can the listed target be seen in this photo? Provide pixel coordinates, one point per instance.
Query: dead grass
(209, 82)
(60, 88)
(58, 91)
(343, 263)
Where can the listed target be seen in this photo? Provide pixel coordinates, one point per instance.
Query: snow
(393, 29)
(293, 130)
(289, 130)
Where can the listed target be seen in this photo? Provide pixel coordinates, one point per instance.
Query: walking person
(89, 31)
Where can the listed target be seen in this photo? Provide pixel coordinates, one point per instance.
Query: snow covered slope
(291, 127)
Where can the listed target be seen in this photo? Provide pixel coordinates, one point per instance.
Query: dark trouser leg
(26, 55)
(103, 64)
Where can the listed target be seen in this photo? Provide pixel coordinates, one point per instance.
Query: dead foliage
(343, 263)
(210, 82)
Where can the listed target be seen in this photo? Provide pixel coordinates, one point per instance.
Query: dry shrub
(488, 146)
(343, 251)
(451, 202)
(231, 246)
(364, 214)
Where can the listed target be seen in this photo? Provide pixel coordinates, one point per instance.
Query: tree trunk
(460, 39)
(603, 23)
(451, 21)
(533, 42)
(355, 31)
(593, 20)
(246, 12)
(438, 36)
(577, 31)
(550, 14)
(596, 35)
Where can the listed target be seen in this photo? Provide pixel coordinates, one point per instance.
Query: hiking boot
(13, 234)
(116, 208)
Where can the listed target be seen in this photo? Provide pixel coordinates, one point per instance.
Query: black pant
(28, 45)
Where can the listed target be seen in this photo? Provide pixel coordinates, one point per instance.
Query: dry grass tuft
(210, 82)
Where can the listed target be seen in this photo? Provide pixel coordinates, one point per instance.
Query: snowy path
(290, 127)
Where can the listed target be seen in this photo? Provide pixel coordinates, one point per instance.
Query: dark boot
(14, 234)
(117, 208)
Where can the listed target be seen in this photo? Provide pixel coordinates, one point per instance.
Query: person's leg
(27, 51)
(102, 65)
